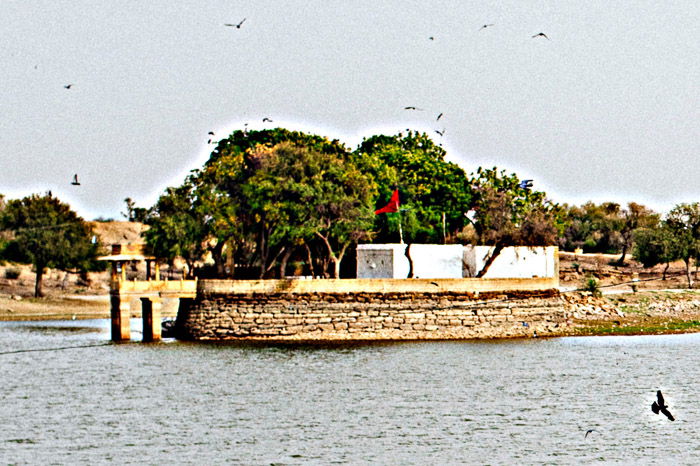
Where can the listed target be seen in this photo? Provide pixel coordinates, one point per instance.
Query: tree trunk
(283, 262)
(621, 262)
(335, 259)
(687, 273)
(38, 293)
(310, 259)
(407, 253)
(663, 274)
(217, 255)
(497, 250)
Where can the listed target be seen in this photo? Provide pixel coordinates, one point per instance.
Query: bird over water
(659, 407)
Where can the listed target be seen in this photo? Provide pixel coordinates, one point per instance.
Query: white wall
(390, 261)
(454, 261)
(513, 262)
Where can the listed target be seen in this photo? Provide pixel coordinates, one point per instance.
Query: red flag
(392, 206)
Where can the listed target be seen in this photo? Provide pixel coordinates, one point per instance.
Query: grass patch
(646, 328)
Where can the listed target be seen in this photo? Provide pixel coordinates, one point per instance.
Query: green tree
(429, 187)
(634, 217)
(176, 229)
(298, 194)
(135, 214)
(48, 233)
(655, 245)
(507, 214)
(238, 196)
(684, 223)
(592, 227)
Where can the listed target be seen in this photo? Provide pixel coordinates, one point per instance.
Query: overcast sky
(606, 108)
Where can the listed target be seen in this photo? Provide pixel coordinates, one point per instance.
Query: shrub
(12, 273)
(591, 285)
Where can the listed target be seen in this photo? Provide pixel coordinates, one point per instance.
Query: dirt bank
(644, 313)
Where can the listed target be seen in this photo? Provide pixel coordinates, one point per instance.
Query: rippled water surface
(523, 401)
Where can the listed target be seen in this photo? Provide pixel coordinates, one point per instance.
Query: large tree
(48, 233)
(298, 194)
(430, 187)
(262, 195)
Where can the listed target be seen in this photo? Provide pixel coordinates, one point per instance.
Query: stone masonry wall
(370, 316)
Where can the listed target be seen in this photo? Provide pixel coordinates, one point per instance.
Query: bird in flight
(659, 407)
(589, 431)
(75, 181)
(237, 25)
(485, 26)
(441, 133)
(541, 34)
(412, 108)
(266, 119)
(210, 133)
(68, 86)
(438, 117)
(525, 184)
(431, 38)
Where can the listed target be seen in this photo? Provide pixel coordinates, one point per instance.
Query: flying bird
(525, 184)
(485, 26)
(541, 34)
(266, 119)
(441, 133)
(412, 108)
(75, 181)
(438, 117)
(659, 407)
(431, 38)
(68, 86)
(237, 25)
(589, 431)
(210, 133)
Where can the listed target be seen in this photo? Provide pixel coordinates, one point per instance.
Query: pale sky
(607, 109)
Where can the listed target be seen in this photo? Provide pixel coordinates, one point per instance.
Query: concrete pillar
(157, 271)
(120, 310)
(150, 312)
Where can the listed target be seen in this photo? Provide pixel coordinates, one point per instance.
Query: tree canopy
(429, 187)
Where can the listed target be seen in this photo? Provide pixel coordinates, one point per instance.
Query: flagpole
(400, 229)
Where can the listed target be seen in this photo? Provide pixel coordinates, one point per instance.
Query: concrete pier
(150, 312)
(121, 318)
(150, 293)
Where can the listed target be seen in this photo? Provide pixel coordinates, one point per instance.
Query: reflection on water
(519, 401)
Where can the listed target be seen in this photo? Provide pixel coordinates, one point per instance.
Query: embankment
(371, 310)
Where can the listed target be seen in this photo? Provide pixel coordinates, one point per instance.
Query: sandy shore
(70, 307)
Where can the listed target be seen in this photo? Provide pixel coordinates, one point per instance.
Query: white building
(454, 261)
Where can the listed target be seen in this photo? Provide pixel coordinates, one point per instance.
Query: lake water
(522, 401)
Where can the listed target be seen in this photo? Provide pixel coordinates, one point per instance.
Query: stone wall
(219, 315)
